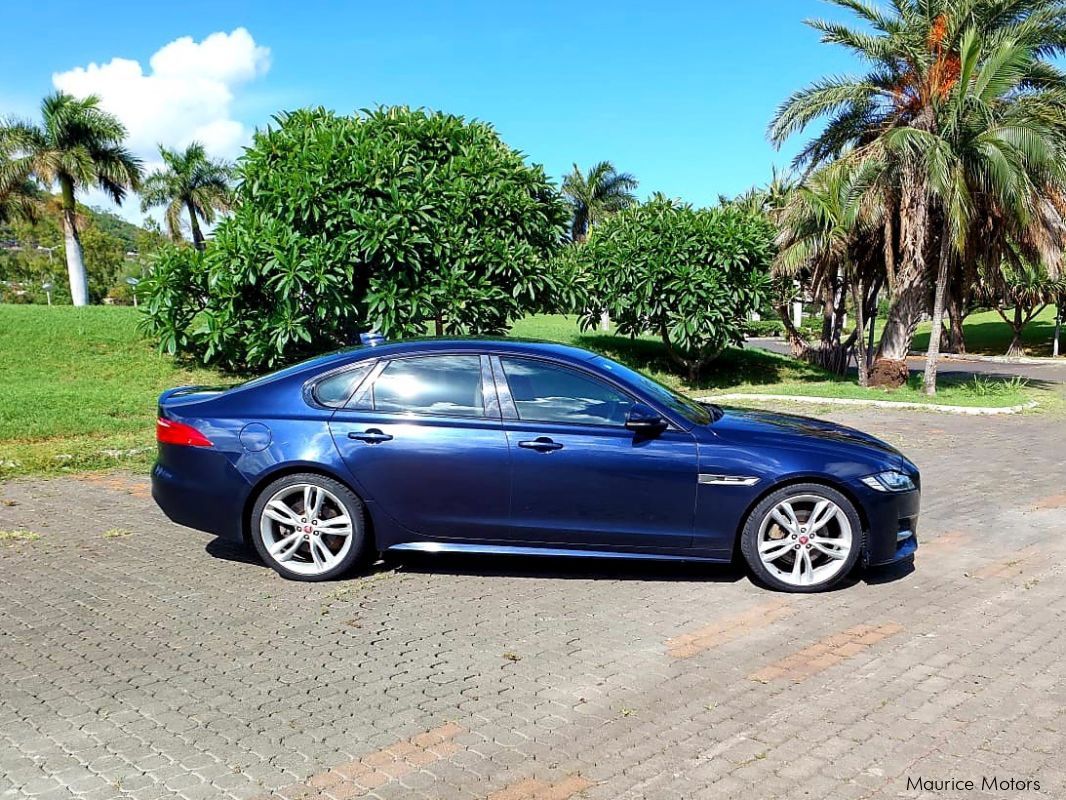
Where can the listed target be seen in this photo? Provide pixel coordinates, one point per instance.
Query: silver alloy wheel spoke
(818, 543)
(340, 525)
(785, 516)
(283, 544)
(773, 549)
(280, 512)
(287, 552)
(802, 568)
(313, 497)
(821, 515)
(833, 548)
(316, 554)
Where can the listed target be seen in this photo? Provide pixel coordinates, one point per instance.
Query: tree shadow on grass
(734, 367)
(992, 338)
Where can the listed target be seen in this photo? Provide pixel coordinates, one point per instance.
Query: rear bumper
(200, 489)
(892, 535)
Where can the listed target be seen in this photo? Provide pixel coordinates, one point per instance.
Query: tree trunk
(956, 316)
(1058, 327)
(438, 324)
(909, 300)
(796, 342)
(890, 251)
(1016, 350)
(943, 273)
(79, 281)
(194, 226)
(860, 337)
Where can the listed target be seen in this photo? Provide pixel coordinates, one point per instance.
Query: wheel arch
(264, 480)
(792, 480)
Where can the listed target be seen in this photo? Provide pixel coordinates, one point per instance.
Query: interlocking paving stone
(725, 630)
(166, 664)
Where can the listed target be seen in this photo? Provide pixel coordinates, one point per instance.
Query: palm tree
(77, 146)
(993, 160)
(595, 194)
(20, 199)
(191, 182)
(828, 227)
(913, 49)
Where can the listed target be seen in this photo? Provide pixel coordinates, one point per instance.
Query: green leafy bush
(690, 276)
(173, 293)
(400, 220)
(765, 327)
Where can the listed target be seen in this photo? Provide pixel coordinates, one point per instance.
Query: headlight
(890, 481)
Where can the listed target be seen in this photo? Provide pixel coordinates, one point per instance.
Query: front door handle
(372, 436)
(541, 444)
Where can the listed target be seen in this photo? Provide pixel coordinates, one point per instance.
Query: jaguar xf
(523, 448)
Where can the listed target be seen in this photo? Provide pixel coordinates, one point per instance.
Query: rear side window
(445, 385)
(548, 393)
(335, 390)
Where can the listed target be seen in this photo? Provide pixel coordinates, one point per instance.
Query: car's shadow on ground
(565, 568)
(560, 568)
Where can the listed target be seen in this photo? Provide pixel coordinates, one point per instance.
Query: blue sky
(680, 96)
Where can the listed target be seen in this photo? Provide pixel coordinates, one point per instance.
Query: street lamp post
(47, 286)
(133, 285)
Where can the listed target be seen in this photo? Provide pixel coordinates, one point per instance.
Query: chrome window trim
(309, 388)
(510, 410)
(363, 400)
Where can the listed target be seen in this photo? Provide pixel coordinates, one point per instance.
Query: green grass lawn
(78, 386)
(988, 335)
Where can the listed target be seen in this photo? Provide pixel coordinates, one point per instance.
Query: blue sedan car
(522, 448)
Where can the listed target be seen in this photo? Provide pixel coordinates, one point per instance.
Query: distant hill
(48, 231)
(116, 226)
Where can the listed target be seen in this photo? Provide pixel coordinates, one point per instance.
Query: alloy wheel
(306, 529)
(805, 540)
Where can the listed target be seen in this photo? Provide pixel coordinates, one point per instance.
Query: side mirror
(643, 419)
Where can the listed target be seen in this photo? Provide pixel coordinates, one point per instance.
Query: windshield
(688, 408)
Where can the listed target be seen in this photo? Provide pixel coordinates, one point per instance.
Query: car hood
(773, 427)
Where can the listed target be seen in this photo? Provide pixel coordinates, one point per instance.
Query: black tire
(342, 496)
(749, 537)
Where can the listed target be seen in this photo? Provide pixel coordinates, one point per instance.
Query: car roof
(530, 347)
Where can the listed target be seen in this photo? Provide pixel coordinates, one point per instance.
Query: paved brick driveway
(162, 664)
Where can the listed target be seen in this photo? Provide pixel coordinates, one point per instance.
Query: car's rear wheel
(309, 527)
(802, 538)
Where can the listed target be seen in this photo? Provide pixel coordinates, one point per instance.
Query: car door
(580, 477)
(423, 439)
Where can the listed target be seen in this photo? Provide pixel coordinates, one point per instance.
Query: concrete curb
(1042, 361)
(977, 411)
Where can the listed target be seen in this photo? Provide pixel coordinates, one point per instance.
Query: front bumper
(892, 526)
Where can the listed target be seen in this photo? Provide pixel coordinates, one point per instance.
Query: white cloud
(186, 95)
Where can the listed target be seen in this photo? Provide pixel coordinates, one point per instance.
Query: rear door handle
(372, 436)
(541, 444)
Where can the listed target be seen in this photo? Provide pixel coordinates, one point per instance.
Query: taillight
(168, 431)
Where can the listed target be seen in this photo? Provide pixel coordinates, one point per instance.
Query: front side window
(445, 385)
(548, 393)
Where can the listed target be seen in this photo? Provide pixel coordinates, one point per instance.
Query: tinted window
(336, 389)
(686, 407)
(448, 385)
(547, 393)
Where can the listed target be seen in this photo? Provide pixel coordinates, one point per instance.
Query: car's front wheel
(802, 538)
(308, 527)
